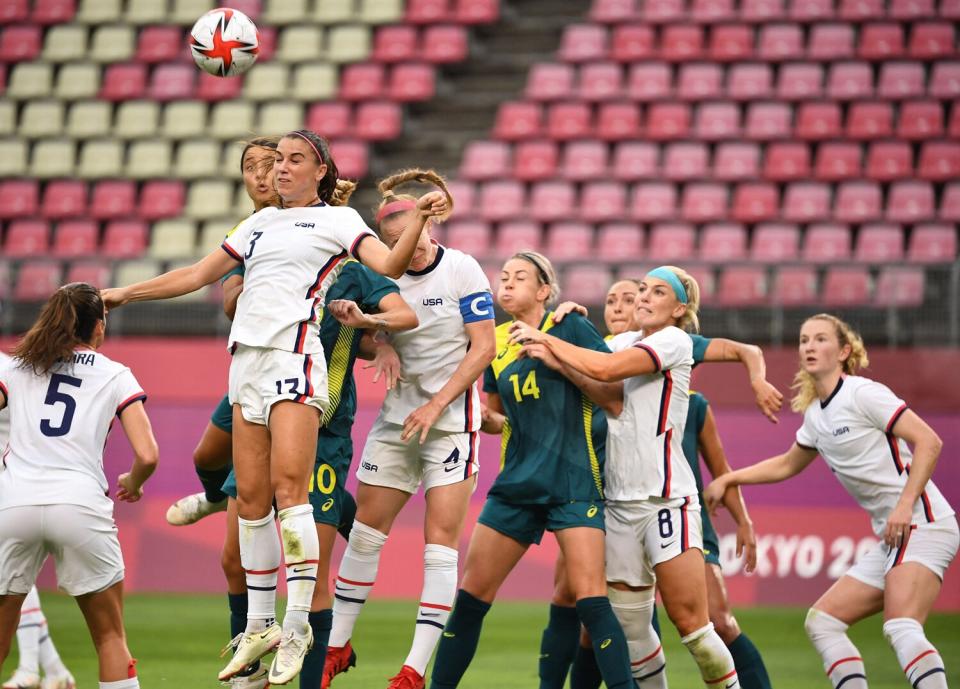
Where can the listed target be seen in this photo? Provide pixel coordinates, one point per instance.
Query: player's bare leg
(10, 605)
(103, 612)
(911, 590)
(211, 459)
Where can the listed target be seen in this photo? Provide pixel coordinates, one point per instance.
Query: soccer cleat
(22, 679)
(288, 662)
(258, 680)
(407, 678)
(339, 659)
(192, 508)
(249, 649)
(64, 681)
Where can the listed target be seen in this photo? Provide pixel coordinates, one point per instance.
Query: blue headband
(669, 277)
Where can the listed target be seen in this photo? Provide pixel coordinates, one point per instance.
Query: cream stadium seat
(266, 82)
(280, 117)
(232, 120)
(65, 42)
(8, 117)
(184, 119)
(285, 11)
(231, 160)
(29, 80)
(137, 119)
(99, 11)
(300, 44)
(103, 158)
(333, 11)
(314, 81)
(188, 11)
(171, 239)
(89, 119)
(200, 158)
(146, 12)
(40, 119)
(13, 157)
(242, 205)
(209, 199)
(77, 81)
(213, 232)
(149, 158)
(348, 44)
(52, 158)
(112, 44)
(380, 11)
(129, 272)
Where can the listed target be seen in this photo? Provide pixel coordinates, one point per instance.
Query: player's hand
(542, 353)
(897, 531)
(566, 307)
(420, 421)
(127, 488)
(433, 204)
(713, 495)
(521, 333)
(386, 363)
(747, 545)
(114, 296)
(490, 421)
(768, 398)
(348, 313)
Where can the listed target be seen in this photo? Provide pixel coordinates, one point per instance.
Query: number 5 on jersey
(529, 388)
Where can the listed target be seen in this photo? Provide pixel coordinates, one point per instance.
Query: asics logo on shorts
(327, 505)
(592, 512)
(605, 643)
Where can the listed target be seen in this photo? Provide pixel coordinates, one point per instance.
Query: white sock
(841, 659)
(634, 610)
(921, 662)
(301, 555)
(712, 657)
(32, 626)
(358, 571)
(49, 658)
(260, 557)
(436, 601)
(132, 683)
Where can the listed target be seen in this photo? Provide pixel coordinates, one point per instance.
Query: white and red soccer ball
(224, 42)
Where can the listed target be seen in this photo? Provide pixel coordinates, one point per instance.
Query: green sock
(312, 672)
(609, 643)
(558, 646)
(212, 481)
(585, 674)
(655, 622)
(348, 512)
(459, 640)
(750, 668)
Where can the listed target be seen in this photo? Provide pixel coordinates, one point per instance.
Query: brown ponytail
(387, 185)
(67, 319)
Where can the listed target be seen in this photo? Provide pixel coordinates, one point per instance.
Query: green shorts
(328, 482)
(222, 416)
(527, 522)
(711, 542)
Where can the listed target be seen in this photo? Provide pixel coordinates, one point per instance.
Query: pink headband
(319, 157)
(395, 207)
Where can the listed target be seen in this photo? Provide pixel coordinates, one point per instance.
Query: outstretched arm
(607, 396)
(176, 283)
(393, 314)
(393, 262)
(768, 398)
(772, 470)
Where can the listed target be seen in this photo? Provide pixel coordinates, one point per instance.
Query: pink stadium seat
(909, 202)
(845, 287)
(826, 243)
(586, 284)
(879, 243)
(685, 161)
(710, 11)
(64, 199)
(787, 161)
(649, 81)
(662, 11)
(667, 121)
(881, 41)
(18, 198)
(653, 201)
(412, 82)
(950, 203)
(603, 201)
(395, 43)
(723, 242)
(549, 81)
(617, 242)
(699, 81)
(473, 237)
(794, 286)
(632, 42)
(518, 120)
(583, 42)
(730, 43)
(750, 81)
(211, 88)
(804, 201)
(901, 80)
(681, 42)
(567, 121)
(811, 10)
(535, 160)
(553, 200)
(618, 121)
(945, 80)
(113, 199)
(933, 243)
(899, 286)
(124, 239)
(268, 42)
(330, 119)
(37, 280)
(818, 121)
(96, 273)
(761, 10)
(20, 43)
(870, 121)
(767, 121)
(736, 161)
(26, 238)
(427, 11)
(780, 42)
(613, 11)
(830, 42)
(600, 81)
(671, 242)
(850, 80)
(172, 82)
(484, 160)
(633, 160)
(861, 10)
(755, 202)
(569, 241)
(742, 286)
(857, 202)
(464, 194)
(949, 9)
(445, 44)
(160, 44)
(703, 274)
(379, 121)
(161, 199)
(125, 82)
(939, 161)
(477, 11)
(501, 200)
(929, 41)
(14, 11)
(76, 238)
(53, 11)
(775, 243)
(920, 120)
(838, 161)
(704, 202)
(889, 160)
(911, 9)
(953, 128)
(517, 235)
(584, 160)
(365, 81)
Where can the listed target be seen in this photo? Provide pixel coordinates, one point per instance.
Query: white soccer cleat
(258, 680)
(288, 662)
(23, 680)
(193, 508)
(64, 681)
(249, 648)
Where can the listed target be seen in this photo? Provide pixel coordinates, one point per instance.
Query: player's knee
(230, 563)
(897, 629)
(725, 625)
(686, 617)
(563, 596)
(820, 625)
(365, 540)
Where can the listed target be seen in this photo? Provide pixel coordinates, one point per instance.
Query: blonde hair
(342, 192)
(689, 321)
(387, 185)
(803, 382)
(546, 275)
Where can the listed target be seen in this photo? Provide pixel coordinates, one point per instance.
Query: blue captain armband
(477, 307)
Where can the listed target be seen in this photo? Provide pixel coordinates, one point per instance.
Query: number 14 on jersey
(529, 388)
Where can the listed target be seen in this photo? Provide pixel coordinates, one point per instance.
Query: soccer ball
(224, 42)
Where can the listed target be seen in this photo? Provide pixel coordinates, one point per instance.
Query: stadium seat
(616, 241)
(464, 194)
(804, 201)
(211, 88)
(850, 80)
(900, 80)
(161, 199)
(600, 81)
(26, 238)
(619, 121)
(720, 242)
(818, 121)
(553, 200)
(445, 44)
(113, 199)
(141, 12)
(346, 44)
(14, 11)
(314, 81)
(889, 160)
(749, 81)
(717, 121)
(899, 287)
(826, 243)
(861, 10)
(501, 200)
(778, 42)
(569, 241)
(632, 42)
(395, 44)
(65, 43)
(584, 160)
(685, 161)
(473, 237)
(838, 161)
(208, 199)
(75, 238)
(517, 120)
(932, 243)
(787, 161)
(870, 121)
(64, 199)
(879, 243)
(233, 120)
(613, 11)
(268, 43)
(353, 158)
(13, 157)
(929, 41)
(633, 160)
(548, 81)
(52, 158)
(535, 160)
(704, 202)
(698, 81)
(124, 82)
(379, 121)
(96, 273)
(939, 161)
(857, 202)
(88, 120)
(649, 81)
(949, 9)
(736, 161)
(920, 120)
(811, 10)
(30, 80)
(566, 121)
(41, 119)
(586, 284)
(517, 235)
(653, 201)
(269, 81)
(794, 286)
(583, 43)
(766, 121)
(284, 11)
(197, 158)
(411, 82)
(603, 201)
(681, 42)
(945, 80)
(845, 287)
(911, 9)
(300, 43)
(112, 44)
(185, 119)
(53, 11)
(710, 11)
(910, 201)
(18, 198)
(755, 202)
(149, 158)
(476, 11)
(137, 119)
(362, 82)
(662, 11)
(671, 242)
(37, 280)
(742, 286)
(159, 44)
(171, 239)
(800, 81)
(881, 41)
(427, 11)
(380, 11)
(20, 43)
(830, 42)
(775, 243)
(187, 11)
(172, 82)
(762, 10)
(484, 160)
(8, 118)
(667, 121)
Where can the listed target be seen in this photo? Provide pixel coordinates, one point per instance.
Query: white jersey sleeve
(668, 348)
(624, 340)
(806, 434)
(878, 404)
(350, 230)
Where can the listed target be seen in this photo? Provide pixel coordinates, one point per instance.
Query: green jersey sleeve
(700, 344)
(373, 286)
(489, 380)
(239, 270)
(584, 334)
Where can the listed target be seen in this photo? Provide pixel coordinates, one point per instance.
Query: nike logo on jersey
(666, 545)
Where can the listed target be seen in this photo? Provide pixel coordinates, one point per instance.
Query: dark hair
(67, 319)
(269, 142)
(327, 188)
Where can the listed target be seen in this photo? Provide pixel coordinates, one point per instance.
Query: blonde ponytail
(387, 185)
(803, 382)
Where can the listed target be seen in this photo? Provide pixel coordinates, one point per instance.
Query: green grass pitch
(177, 639)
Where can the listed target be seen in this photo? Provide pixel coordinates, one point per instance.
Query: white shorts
(932, 545)
(82, 541)
(444, 459)
(260, 377)
(643, 533)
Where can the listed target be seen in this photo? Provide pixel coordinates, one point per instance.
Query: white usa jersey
(852, 431)
(4, 413)
(59, 424)
(645, 442)
(446, 295)
(291, 256)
